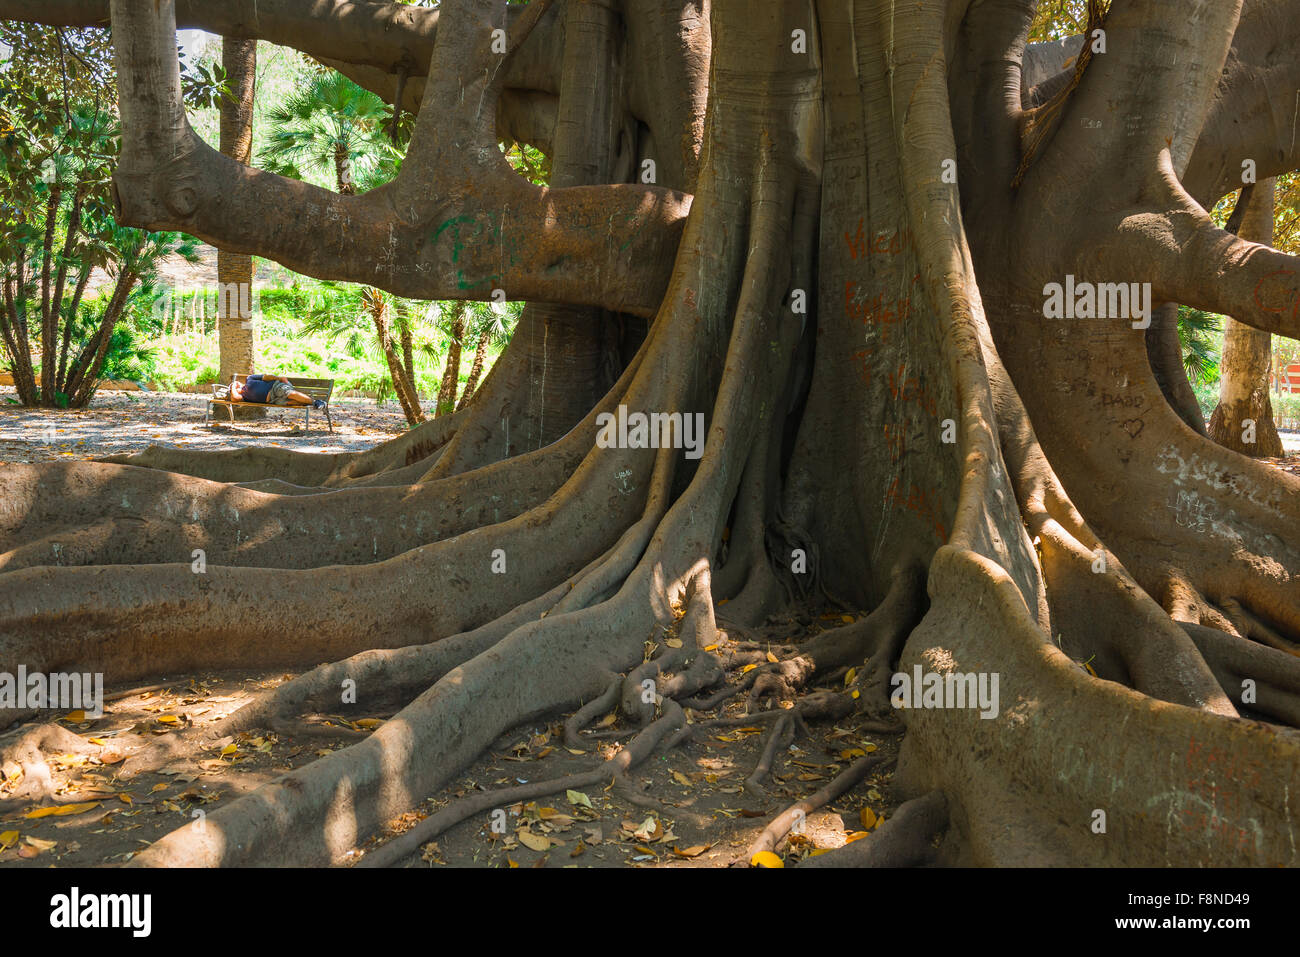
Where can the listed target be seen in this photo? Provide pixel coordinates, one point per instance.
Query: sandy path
(130, 421)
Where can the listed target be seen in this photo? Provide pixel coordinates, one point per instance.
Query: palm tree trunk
(475, 370)
(85, 370)
(49, 317)
(451, 373)
(69, 324)
(16, 343)
(408, 347)
(405, 388)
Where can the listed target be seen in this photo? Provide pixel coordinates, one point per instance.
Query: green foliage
(331, 126)
(1055, 19)
(1201, 335)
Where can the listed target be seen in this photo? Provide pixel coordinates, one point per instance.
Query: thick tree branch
(377, 35)
(456, 223)
(1255, 114)
(1151, 89)
(1187, 258)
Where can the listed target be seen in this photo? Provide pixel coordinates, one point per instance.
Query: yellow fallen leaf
(168, 719)
(766, 859)
(673, 642)
(855, 836)
(512, 863)
(681, 778)
(868, 818)
(535, 842)
(75, 717)
(96, 741)
(710, 647)
(229, 749)
(575, 750)
(61, 810)
(869, 748)
(849, 753)
(578, 850)
(854, 693)
(695, 851)
(772, 658)
(7, 840)
(747, 668)
(819, 851)
(126, 799)
(368, 722)
(849, 676)
(847, 619)
(162, 786)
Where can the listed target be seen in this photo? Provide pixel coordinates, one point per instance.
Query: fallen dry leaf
(695, 851)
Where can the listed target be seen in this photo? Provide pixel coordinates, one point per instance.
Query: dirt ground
(131, 421)
(693, 811)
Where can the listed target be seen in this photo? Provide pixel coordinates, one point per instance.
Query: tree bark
(403, 386)
(892, 416)
(237, 333)
(1243, 419)
(475, 369)
(451, 370)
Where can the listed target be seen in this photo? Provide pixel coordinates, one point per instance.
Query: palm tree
(332, 126)
(490, 326)
(65, 230)
(1196, 330)
(344, 313)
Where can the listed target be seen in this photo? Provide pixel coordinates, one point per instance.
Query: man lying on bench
(271, 390)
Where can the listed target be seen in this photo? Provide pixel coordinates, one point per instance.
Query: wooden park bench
(316, 388)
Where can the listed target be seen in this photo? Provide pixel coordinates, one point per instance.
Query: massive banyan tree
(836, 230)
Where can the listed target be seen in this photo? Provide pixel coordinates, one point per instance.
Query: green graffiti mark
(477, 230)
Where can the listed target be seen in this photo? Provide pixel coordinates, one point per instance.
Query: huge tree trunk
(1243, 419)
(859, 308)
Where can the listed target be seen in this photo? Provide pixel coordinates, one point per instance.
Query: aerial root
(779, 737)
(879, 638)
(780, 825)
(380, 677)
(27, 751)
(904, 840)
(617, 766)
(584, 715)
(821, 706)
(1274, 675)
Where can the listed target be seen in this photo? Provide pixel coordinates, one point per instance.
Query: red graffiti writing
(1290, 294)
(895, 441)
(925, 503)
(882, 244)
(877, 310)
(1216, 779)
(905, 388)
